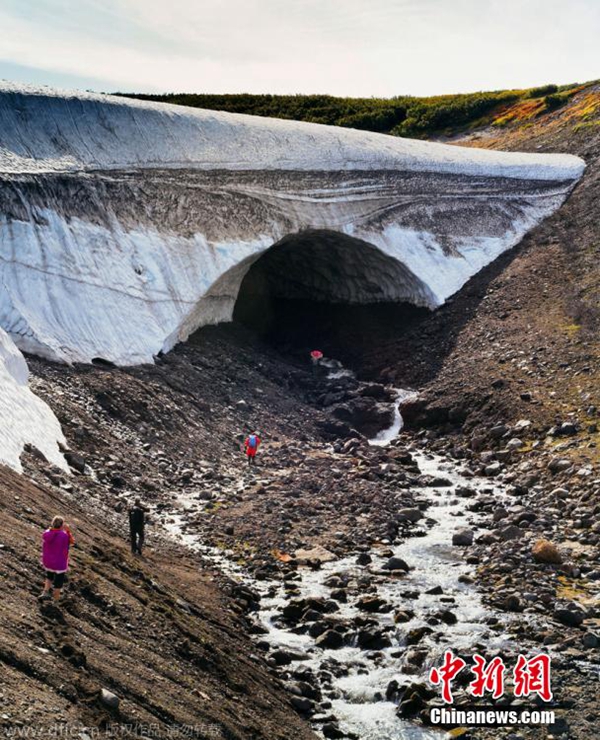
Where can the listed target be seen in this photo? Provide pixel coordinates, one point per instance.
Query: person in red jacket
(251, 445)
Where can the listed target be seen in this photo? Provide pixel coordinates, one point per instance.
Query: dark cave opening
(326, 290)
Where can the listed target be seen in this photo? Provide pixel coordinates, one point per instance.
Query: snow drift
(25, 417)
(126, 225)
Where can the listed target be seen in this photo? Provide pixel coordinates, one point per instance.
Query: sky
(341, 47)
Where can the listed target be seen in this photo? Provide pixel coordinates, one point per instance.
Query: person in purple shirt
(56, 542)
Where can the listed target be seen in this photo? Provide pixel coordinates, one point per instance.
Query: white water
(386, 436)
(357, 698)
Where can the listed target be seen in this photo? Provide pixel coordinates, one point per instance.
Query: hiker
(137, 522)
(56, 542)
(315, 359)
(251, 444)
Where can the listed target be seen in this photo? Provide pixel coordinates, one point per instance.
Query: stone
(590, 640)
(332, 731)
(493, 469)
(415, 636)
(510, 532)
(302, 704)
(372, 604)
(567, 429)
(463, 538)
(403, 615)
(569, 617)
(330, 640)
(409, 515)
(109, 699)
(373, 639)
(512, 603)
(558, 465)
(285, 657)
(544, 551)
(317, 554)
(396, 563)
(77, 462)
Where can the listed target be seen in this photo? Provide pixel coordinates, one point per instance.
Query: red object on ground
(316, 354)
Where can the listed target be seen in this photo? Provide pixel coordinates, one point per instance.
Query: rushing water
(386, 436)
(357, 697)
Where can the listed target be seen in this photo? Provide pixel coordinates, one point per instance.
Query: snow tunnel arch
(316, 265)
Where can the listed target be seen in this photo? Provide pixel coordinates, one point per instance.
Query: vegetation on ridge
(399, 116)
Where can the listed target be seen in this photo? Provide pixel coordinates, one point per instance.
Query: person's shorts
(57, 579)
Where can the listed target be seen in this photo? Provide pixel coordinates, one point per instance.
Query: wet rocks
(511, 603)
(463, 538)
(414, 698)
(510, 532)
(365, 414)
(76, 462)
(373, 604)
(396, 564)
(373, 638)
(330, 639)
(317, 554)
(415, 636)
(283, 657)
(409, 515)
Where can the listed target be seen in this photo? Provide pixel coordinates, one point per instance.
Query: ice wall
(25, 417)
(125, 225)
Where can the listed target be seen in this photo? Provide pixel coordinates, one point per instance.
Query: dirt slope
(157, 632)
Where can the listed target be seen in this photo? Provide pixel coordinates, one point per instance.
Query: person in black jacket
(137, 521)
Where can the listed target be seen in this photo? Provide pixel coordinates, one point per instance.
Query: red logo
(529, 676)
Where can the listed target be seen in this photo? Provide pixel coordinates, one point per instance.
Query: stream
(353, 679)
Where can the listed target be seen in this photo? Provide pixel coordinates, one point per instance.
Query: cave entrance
(328, 290)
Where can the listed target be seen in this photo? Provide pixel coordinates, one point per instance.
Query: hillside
(400, 116)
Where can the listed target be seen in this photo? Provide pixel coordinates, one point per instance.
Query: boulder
(558, 465)
(109, 699)
(372, 638)
(544, 551)
(409, 515)
(493, 469)
(330, 639)
(372, 604)
(317, 554)
(396, 563)
(511, 532)
(463, 538)
(76, 462)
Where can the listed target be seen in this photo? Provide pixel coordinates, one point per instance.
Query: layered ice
(126, 225)
(25, 417)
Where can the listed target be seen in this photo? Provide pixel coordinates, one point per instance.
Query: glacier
(126, 225)
(26, 419)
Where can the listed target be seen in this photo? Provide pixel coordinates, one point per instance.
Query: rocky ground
(171, 433)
